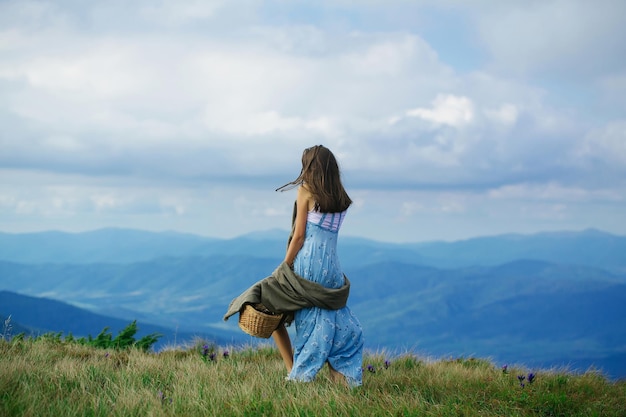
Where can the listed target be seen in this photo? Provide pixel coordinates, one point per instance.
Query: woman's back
(318, 260)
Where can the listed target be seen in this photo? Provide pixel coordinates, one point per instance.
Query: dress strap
(329, 221)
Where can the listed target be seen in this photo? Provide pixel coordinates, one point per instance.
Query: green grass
(48, 377)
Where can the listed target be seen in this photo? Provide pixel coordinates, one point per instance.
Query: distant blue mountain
(529, 312)
(590, 248)
(543, 300)
(36, 316)
(104, 245)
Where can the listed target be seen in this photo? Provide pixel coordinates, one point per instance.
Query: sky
(450, 119)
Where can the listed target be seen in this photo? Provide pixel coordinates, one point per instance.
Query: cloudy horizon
(449, 120)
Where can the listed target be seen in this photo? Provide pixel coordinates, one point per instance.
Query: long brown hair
(320, 173)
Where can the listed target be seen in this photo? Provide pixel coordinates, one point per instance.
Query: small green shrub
(105, 340)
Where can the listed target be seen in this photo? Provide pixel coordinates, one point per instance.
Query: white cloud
(606, 145)
(390, 56)
(64, 143)
(506, 114)
(118, 93)
(270, 122)
(552, 192)
(32, 14)
(140, 110)
(567, 38)
(99, 70)
(180, 11)
(447, 109)
(438, 204)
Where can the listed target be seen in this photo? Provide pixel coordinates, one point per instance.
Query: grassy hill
(52, 377)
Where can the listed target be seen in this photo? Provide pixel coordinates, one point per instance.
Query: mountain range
(549, 299)
(45, 315)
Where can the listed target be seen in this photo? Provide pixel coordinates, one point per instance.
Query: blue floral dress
(333, 336)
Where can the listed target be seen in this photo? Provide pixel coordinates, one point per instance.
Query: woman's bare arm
(303, 203)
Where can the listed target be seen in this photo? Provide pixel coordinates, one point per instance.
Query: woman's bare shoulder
(304, 193)
(304, 188)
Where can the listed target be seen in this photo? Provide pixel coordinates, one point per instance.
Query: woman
(322, 336)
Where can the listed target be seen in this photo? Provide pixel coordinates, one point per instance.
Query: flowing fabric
(332, 336)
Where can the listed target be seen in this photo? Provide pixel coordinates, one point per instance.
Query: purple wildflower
(163, 398)
(531, 378)
(371, 368)
(505, 368)
(225, 354)
(212, 356)
(205, 350)
(387, 363)
(521, 379)
(106, 355)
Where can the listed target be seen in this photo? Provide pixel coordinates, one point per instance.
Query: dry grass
(52, 378)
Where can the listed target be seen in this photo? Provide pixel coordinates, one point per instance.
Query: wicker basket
(258, 323)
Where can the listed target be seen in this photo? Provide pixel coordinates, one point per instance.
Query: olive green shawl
(286, 292)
